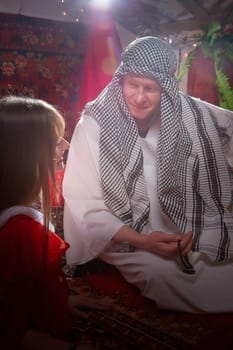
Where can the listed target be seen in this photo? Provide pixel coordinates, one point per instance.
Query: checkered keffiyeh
(182, 199)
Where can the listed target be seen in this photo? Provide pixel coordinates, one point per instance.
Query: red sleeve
(21, 256)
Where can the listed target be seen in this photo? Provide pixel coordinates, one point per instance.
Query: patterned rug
(136, 324)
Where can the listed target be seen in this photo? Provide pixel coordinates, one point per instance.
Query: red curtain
(202, 79)
(103, 52)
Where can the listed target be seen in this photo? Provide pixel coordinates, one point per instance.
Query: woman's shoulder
(23, 236)
(25, 222)
(20, 224)
(20, 213)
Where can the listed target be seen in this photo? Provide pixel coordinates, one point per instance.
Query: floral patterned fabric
(135, 323)
(43, 59)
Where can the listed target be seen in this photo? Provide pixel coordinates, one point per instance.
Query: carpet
(136, 324)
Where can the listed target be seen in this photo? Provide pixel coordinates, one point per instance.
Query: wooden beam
(190, 24)
(195, 9)
(179, 26)
(227, 15)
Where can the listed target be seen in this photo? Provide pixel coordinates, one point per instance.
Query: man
(148, 185)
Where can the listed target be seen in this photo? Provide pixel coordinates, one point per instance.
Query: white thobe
(89, 227)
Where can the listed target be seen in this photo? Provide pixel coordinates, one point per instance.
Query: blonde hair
(29, 131)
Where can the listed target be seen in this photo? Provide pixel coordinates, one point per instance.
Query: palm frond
(186, 65)
(225, 91)
(216, 42)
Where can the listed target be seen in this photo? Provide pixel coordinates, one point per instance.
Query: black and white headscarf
(121, 162)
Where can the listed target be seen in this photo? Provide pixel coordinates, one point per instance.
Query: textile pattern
(43, 59)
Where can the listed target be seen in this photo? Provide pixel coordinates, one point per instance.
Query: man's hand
(166, 244)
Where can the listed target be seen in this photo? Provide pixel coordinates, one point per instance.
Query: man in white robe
(148, 185)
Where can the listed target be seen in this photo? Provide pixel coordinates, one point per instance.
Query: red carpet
(136, 324)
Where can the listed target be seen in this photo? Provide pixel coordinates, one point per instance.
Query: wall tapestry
(42, 58)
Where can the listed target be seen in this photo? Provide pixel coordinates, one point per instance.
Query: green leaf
(215, 43)
(186, 65)
(225, 91)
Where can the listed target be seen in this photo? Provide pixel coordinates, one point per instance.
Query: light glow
(101, 3)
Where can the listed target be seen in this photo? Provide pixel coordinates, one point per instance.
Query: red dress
(30, 297)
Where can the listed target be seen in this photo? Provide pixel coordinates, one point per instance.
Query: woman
(34, 298)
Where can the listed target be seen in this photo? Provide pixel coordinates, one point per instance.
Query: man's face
(142, 96)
